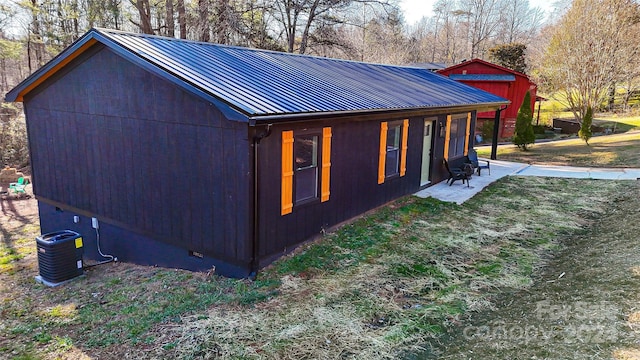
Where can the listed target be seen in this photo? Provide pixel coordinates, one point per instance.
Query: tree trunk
(145, 16)
(222, 26)
(305, 33)
(182, 19)
(171, 32)
(203, 21)
(4, 84)
(35, 42)
(612, 96)
(115, 11)
(291, 27)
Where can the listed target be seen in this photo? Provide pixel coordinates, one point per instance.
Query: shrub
(487, 130)
(539, 129)
(585, 128)
(524, 128)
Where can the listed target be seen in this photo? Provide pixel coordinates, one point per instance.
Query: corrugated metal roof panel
(482, 77)
(267, 83)
(261, 82)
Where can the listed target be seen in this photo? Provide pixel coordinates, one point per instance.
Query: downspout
(496, 129)
(255, 258)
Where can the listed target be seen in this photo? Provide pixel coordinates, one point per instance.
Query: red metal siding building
(497, 80)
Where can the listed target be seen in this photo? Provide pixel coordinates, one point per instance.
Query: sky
(414, 10)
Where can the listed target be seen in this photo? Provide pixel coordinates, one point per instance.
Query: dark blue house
(196, 155)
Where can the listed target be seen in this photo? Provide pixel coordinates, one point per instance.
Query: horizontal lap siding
(113, 140)
(354, 182)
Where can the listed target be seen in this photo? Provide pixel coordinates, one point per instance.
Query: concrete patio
(459, 193)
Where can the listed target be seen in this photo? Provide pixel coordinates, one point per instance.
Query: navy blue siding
(130, 246)
(134, 149)
(354, 182)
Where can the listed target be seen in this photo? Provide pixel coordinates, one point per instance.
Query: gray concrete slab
(459, 193)
(580, 172)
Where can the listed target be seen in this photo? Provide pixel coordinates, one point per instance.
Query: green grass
(618, 124)
(553, 108)
(386, 284)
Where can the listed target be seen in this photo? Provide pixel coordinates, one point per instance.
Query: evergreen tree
(585, 128)
(524, 128)
(511, 56)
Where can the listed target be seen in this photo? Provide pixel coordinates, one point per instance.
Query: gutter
(255, 257)
(426, 111)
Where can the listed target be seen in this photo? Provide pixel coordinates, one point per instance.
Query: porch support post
(496, 129)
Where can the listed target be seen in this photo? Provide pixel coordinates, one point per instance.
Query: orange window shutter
(447, 137)
(287, 172)
(403, 154)
(383, 151)
(466, 139)
(326, 164)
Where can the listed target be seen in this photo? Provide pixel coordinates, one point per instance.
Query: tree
(144, 10)
(385, 41)
(483, 18)
(519, 22)
(13, 136)
(171, 25)
(182, 19)
(204, 31)
(586, 57)
(585, 128)
(300, 19)
(105, 14)
(465, 29)
(524, 135)
(449, 33)
(511, 56)
(10, 51)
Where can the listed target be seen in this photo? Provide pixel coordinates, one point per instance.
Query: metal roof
(267, 83)
(482, 77)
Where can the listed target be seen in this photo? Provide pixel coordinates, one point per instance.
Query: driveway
(459, 193)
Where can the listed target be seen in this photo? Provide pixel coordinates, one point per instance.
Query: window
(392, 162)
(393, 149)
(458, 136)
(306, 166)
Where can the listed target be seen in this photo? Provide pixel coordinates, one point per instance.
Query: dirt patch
(583, 305)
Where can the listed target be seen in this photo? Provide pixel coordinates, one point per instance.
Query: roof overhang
(50, 68)
(94, 37)
(375, 113)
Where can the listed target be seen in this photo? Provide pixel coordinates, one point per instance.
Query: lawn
(388, 285)
(618, 124)
(619, 150)
(585, 306)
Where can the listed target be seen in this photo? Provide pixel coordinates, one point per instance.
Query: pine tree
(511, 56)
(524, 127)
(585, 128)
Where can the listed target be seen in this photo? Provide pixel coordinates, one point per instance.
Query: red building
(497, 80)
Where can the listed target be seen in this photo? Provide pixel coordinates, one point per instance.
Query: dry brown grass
(468, 255)
(389, 285)
(583, 306)
(620, 150)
